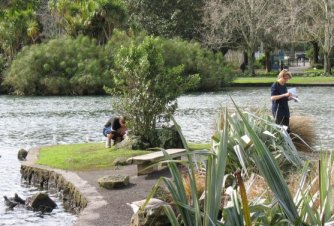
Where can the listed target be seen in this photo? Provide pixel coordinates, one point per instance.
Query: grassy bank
(295, 80)
(88, 156)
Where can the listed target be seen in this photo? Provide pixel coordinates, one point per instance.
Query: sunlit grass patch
(199, 146)
(294, 80)
(87, 156)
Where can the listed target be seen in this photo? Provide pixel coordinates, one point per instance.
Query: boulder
(114, 181)
(22, 154)
(164, 137)
(120, 161)
(168, 137)
(40, 202)
(152, 214)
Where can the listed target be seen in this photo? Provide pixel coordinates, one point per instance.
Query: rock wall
(47, 179)
(53, 180)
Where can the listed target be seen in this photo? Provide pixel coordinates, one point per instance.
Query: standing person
(115, 130)
(280, 97)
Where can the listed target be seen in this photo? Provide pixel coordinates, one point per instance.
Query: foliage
(308, 205)
(96, 19)
(171, 18)
(18, 26)
(318, 66)
(88, 156)
(63, 66)
(145, 86)
(260, 62)
(211, 67)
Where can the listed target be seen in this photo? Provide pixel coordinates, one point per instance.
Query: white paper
(293, 92)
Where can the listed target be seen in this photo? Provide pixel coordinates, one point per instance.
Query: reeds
(302, 132)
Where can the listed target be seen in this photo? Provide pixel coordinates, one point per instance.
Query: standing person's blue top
(280, 97)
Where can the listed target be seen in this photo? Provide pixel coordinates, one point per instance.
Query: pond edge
(78, 196)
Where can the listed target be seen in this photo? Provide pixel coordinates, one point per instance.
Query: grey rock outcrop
(114, 181)
(153, 213)
(22, 154)
(40, 202)
(120, 161)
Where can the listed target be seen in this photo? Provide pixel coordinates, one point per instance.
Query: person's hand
(287, 94)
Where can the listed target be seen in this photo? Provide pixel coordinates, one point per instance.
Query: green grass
(89, 156)
(312, 70)
(294, 80)
(201, 146)
(80, 157)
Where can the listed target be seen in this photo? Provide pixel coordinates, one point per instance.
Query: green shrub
(314, 74)
(260, 62)
(211, 67)
(318, 66)
(62, 66)
(145, 86)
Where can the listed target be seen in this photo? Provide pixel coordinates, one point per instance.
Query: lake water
(26, 122)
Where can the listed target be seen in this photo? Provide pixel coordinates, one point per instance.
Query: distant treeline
(64, 47)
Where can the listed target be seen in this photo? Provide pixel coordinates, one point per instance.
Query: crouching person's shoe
(108, 143)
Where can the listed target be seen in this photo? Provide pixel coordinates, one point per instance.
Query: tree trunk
(251, 63)
(315, 57)
(268, 62)
(327, 64)
(245, 55)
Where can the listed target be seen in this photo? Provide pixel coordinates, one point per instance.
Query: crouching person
(114, 129)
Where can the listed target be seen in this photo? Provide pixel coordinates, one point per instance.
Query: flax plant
(241, 142)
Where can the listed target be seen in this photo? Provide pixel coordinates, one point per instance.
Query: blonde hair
(284, 72)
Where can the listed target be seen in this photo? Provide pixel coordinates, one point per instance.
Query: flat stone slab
(114, 181)
(148, 163)
(155, 156)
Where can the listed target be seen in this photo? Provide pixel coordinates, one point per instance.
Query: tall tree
(168, 18)
(244, 20)
(96, 19)
(18, 26)
(314, 21)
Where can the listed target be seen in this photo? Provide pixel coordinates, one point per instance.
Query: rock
(165, 137)
(40, 202)
(120, 161)
(114, 181)
(169, 137)
(153, 214)
(22, 154)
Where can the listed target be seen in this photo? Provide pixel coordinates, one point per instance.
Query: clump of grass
(302, 132)
(200, 184)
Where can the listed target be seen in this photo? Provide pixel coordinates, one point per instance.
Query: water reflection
(26, 122)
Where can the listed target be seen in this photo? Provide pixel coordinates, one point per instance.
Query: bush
(318, 66)
(210, 66)
(146, 87)
(260, 62)
(62, 66)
